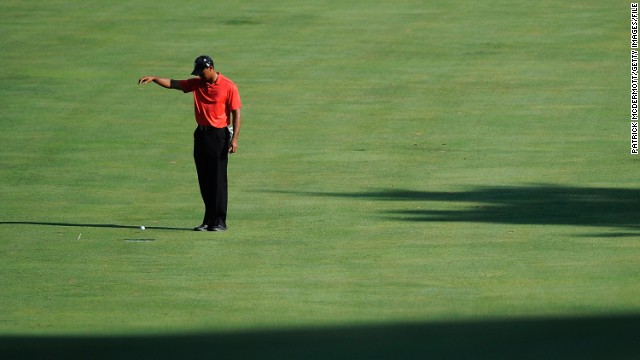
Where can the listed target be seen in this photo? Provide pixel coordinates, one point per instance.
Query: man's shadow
(111, 226)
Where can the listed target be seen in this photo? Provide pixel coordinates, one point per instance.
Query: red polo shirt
(213, 102)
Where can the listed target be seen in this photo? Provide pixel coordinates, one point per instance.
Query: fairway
(401, 162)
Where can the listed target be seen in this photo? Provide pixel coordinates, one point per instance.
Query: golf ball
(142, 227)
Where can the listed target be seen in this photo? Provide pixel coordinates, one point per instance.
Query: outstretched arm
(164, 82)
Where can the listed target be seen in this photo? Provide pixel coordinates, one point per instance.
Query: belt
(206, 128)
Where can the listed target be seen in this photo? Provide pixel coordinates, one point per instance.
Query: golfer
(217, 105)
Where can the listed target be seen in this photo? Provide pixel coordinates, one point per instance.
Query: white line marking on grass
(139, 240)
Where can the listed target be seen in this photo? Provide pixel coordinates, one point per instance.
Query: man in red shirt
(216, 103)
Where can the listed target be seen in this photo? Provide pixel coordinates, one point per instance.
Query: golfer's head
(201, 64)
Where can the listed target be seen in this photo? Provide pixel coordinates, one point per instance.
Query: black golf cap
(202, 62)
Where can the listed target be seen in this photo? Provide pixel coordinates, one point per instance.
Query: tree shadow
(111, 226)
(520, 205)
(606, 337)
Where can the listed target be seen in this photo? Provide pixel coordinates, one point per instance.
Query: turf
(402, 161)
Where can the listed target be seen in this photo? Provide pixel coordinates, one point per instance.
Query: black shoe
(217, 228)
(202, 227)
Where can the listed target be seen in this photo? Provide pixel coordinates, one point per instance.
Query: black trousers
(211, 155)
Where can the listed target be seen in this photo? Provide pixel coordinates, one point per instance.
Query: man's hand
(233, 146)
(145, 80)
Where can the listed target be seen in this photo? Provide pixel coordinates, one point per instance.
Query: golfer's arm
(237, 123)
(164, 82)
(167, 83)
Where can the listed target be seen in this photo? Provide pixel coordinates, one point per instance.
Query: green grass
(403, 161)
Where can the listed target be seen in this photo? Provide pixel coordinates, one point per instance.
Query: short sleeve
(189, 85)
(234, 99)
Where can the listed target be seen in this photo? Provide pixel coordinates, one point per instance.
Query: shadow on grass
(111, 226)
(535, 205)
(569, 338)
